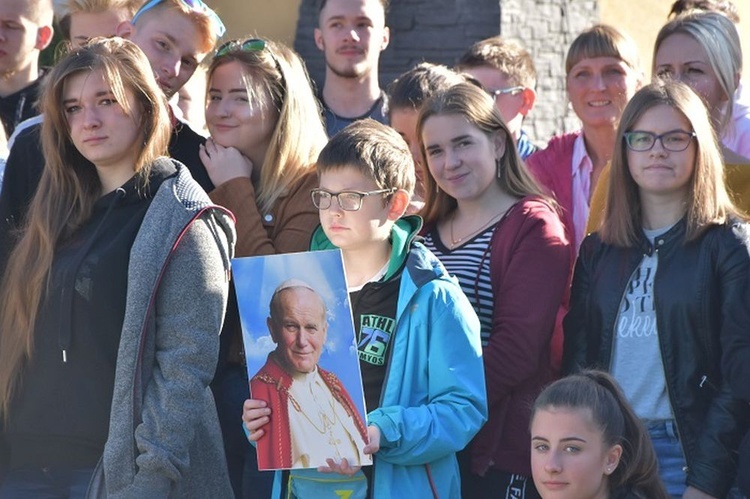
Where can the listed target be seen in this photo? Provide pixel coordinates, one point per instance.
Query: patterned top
(470, 263)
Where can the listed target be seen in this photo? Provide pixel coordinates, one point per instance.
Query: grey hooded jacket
(164, 437)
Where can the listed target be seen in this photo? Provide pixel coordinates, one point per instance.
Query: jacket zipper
(664, 363)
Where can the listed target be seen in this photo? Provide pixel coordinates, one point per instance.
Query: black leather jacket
(702, 301)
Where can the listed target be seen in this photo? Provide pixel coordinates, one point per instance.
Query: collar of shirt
(581, 172)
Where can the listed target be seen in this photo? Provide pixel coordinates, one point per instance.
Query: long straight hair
(68, 189)
(276, 76)
(708, 201)
(478, 108)
(598, 392)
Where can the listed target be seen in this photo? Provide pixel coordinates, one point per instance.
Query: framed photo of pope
(301, 355)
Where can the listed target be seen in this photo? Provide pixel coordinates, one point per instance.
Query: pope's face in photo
(299, 328)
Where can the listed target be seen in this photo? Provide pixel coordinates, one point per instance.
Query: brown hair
(473, 103)
(598, 393)
(507, 56)
(412, 88)
(385, 3)
(65, 9)
(603, 40)
(708, 202)
(376, 150)
(724, 7)
(277, 76)
(69, 188)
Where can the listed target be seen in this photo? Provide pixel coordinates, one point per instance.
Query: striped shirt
(470, 263)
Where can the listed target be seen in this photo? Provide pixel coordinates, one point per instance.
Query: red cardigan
(530, 263)
(552, 169)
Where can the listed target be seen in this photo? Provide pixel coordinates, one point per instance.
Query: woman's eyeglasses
(674, 141)
(348, 200)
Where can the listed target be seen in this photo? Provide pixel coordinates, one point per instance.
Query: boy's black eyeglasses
(674, 141)
(505, 91)
(348, 200)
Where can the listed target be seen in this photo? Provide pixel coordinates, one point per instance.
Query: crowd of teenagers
(570, 321)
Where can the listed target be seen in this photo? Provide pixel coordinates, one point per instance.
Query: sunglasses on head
(250, 45)
(193, 5)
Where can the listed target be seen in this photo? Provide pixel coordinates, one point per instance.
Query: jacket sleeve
(529, 286)
(714, 465)
(575, 344)
(713, 468)
(735, 313)
(295, 221)
(189, 309)
(455, 407)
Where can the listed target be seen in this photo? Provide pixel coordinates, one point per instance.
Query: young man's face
(353, 230)
(511, 105)
(172, 43)
(21, 38)
(351, 34)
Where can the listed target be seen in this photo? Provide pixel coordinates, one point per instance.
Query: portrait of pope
(312, 415)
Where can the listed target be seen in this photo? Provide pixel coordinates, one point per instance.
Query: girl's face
(99, 127)
(232, 119)
(569, 459)
(599, 88)
(461, 157)
(660, 171)
(681, 57)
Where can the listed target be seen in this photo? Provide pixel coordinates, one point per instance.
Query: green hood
(403, 233)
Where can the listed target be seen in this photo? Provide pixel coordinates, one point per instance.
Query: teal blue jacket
(434, 399)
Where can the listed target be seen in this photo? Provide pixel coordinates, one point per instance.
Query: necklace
(456, 241)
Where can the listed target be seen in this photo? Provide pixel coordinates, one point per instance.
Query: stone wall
(546, 28)
(441, 30)
(421, 30)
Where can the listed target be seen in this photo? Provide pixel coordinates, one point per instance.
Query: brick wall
(441, 30)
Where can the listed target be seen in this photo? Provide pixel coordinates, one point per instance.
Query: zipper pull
(65, 355)
(703, 380)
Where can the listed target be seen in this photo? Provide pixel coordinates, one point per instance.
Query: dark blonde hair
(377, 151)
(478, 108)
(202, 20)
(67, 8)
(708, 202)
(603, 40)
(276, 77)
(69, 187)
(719, 38)
(598, 393)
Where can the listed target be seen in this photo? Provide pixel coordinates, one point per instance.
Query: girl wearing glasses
(488, 224)
(112, 299)
(663, 287)
(266, 134)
